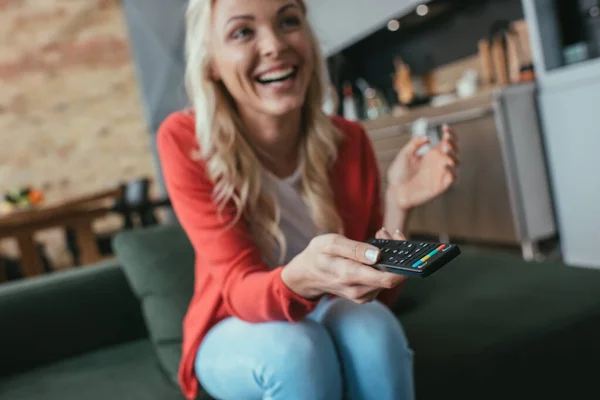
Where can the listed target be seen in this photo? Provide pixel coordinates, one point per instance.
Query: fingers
(449, 135)
(345, 261)
(348, 273)
(448, 163)
(340, 246)
(399, 235)
(383, 234)
(449, 177)
(447, 158)
(370, 296)
(415, 144)
(451, 160)
(363, 275)
(449, 145)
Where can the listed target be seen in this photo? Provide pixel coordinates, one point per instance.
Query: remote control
(412, 258)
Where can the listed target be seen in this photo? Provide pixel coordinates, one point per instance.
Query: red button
(441, 247)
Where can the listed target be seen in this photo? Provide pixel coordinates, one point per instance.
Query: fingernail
(372, 255)
(383, 229)
(445, 127)
(398, 232)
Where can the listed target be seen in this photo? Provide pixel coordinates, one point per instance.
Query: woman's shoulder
(349, 128)
(176, 136)
(355, 137)
(177, 146)
(178, 126)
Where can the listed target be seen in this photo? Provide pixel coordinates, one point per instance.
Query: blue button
(416, 265)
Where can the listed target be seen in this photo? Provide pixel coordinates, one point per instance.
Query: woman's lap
(373, 350)
(273, 360)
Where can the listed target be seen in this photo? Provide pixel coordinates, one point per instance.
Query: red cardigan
(231, 278)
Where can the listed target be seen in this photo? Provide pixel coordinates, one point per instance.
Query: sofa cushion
(60, 315)
(159, 264)
(494, 326)
(123, 372)
(486, 326)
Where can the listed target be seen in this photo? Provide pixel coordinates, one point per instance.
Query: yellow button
(427, 257)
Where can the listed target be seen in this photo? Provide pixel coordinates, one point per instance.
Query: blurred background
(96, 275)
(85, 85)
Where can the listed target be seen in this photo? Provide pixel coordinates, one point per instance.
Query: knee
(303, 352)
(300, 347)
(366, 323)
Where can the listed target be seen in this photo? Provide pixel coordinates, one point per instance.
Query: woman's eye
(290, 22)
(241, 33)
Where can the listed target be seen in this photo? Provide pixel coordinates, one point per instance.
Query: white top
(296, 222)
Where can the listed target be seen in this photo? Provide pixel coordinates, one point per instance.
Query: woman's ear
(213, 73)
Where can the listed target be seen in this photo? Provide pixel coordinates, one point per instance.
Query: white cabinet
(572, 136)
(339, 23)
(568, 98)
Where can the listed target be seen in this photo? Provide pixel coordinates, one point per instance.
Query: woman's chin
(282, 98)
(282, 107)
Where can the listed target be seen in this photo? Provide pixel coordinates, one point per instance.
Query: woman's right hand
(340, 266)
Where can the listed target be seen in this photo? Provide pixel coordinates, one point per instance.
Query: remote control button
(441, 247)
(421, 252)
(416, 265)
(380, 243)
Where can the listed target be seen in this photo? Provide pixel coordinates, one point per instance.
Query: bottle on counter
(332, 100)
(374, 102)
(349, 103)
(403, 82)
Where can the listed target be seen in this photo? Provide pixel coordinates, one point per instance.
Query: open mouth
(278, 76)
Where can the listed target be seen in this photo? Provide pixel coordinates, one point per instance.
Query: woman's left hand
(416, 179)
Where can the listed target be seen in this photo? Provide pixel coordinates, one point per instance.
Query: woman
(278, 200)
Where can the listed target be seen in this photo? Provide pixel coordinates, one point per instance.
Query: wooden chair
(134, 205)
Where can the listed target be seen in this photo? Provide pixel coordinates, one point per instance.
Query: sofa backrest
(159, 265)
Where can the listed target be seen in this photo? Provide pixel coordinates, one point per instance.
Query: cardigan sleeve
(250, 291)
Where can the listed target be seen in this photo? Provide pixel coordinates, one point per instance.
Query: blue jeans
(341, 350)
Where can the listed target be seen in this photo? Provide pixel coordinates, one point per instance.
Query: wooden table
(77, 214)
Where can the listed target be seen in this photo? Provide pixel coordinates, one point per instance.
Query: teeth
(271, 76)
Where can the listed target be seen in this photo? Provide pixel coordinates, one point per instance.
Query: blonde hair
(230, 160)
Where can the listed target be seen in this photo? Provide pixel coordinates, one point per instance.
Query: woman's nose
(272, 44)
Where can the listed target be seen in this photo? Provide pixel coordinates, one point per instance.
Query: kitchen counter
(502, 193)
(483, 99)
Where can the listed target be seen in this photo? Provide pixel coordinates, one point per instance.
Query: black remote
(411, 258)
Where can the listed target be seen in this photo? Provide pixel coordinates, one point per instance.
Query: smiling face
(262, 52)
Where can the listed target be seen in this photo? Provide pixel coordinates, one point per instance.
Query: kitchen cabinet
(568, 97)
(502, 193)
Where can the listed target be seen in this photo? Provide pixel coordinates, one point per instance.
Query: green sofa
(487, 326)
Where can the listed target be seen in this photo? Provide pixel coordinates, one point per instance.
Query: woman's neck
(275, 140)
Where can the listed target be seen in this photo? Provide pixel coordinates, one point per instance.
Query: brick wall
(70, 113)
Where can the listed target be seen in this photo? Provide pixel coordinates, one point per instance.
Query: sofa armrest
(64, 314)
